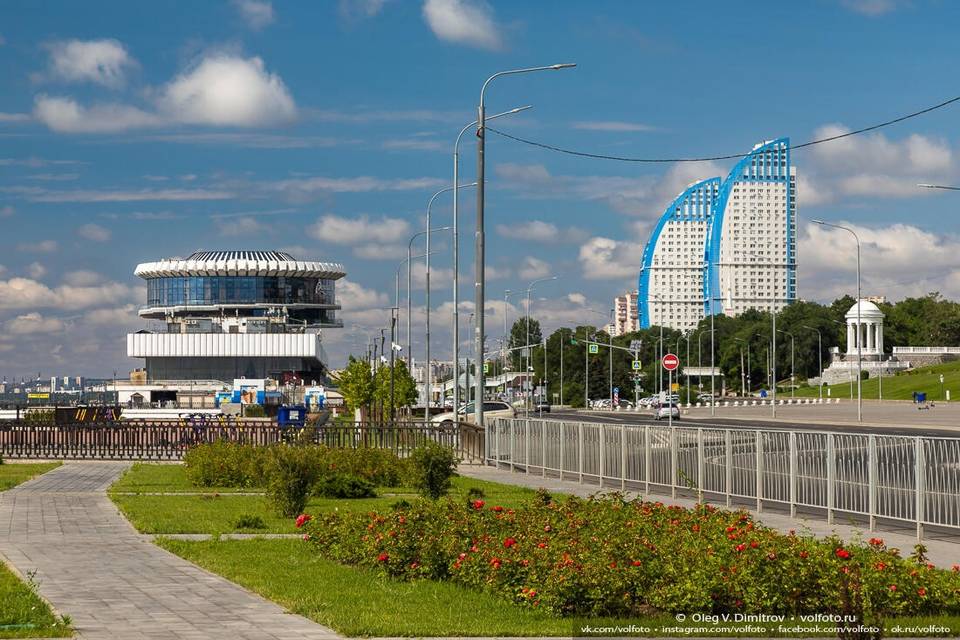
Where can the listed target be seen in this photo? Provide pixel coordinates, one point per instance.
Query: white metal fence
(910, 479)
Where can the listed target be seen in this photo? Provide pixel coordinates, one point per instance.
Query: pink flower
(306, 536)
(303, 519)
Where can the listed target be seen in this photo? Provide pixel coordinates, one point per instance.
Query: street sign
(616, 396)
(636, 365)
(636, 345)
(486, 367)
(670, 361)
(675, 386)
(594, 348)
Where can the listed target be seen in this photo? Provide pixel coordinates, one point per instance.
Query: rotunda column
(871, 326)
(851, 345)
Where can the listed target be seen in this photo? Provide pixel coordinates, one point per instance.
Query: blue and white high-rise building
(724, 246)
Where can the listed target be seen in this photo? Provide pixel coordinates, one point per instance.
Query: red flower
(509, 542)
(740, 547)
(498, 508)
(495, 563)
(893, 587)
(754, 544)
(804, 554)
(921, 592)
(880, 566)
(731, 529)
(843, 554)
(541, 545)
(383, 557)
(876, 542)
(478, 504)
(303, 519)
(636, 563)
(956, 567)
(695, 528)
(532, 593)
(613, 565)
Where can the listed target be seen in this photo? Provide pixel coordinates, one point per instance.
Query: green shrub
(379, 466)
(247, 521)
(225, 464)
(254, 411)
(290, 472)
(343, 485)
(433, 466)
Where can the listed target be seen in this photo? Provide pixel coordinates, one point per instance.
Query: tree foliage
(518, 338)
(356, 384)
(404, 387)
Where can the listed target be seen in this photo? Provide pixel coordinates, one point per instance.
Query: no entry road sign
(670, 362)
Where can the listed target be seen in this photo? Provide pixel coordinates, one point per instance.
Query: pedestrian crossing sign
(594, 348)
(636, 365)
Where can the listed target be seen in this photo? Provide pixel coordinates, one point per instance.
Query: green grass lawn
(23, 614)
(359, 602)
(13, 474)
(899, 387)
(150, 477)
(209, 514)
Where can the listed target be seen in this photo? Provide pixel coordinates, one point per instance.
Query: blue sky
(136, 131)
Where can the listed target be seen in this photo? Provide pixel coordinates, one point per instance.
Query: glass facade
(209, 290)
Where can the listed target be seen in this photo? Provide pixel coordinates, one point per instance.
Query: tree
(356, 384)
(404, 387)
(518, 338)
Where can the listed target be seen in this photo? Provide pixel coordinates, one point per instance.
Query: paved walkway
(115, 584)
(943, 553)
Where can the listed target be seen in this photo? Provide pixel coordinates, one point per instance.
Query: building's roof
(239, 263)
(868, 311)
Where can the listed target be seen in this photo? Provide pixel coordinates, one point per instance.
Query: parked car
(542, 407)
(467, 413)
(625, 404)
(664, 410)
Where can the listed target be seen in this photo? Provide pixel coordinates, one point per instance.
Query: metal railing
(907, 479)
(169, 440)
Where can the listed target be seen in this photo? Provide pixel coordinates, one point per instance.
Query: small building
(864, 334)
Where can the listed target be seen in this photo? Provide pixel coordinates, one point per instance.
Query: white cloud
(532, 268)
(25, 293)
(298, 189)
(33, 323)
(540, 231)
(94, 232)
(898, 260)
(607, 259)
(15, 117)
(412, 144)
(36, 270)
(256, 13)
(44, 246)
(353, 296)
(6, 211)
(467, 22)
(34, 194)
(82, 278)
(113, 316)
(871, 8)
(103, 62)
(380, 251)
(358, 9)
(359, 230)
(66, 115)
(612, 125)
(227, 90)
(242, 226)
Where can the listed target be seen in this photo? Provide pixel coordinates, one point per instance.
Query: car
(666, 410)
(467, 413)
(542, 407)
(625, 404)
(649, 401)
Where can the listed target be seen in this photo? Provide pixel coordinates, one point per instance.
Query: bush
(254, 411)
(225, 464)
(609, 557)
(247, 521)
(433, 466)
(290, 472)
(379, 466)
(342, 485)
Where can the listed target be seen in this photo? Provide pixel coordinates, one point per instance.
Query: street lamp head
(518, 110)
(818, 221)
(565, 65)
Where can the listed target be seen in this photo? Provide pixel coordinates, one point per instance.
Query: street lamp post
(456, 251)
(859, 338)
(409, 273)
(480, 276)
(819, 357)
(526, 347)
(793, 376)
(743, 376)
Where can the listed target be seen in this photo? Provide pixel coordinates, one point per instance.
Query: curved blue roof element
(698, 202)
(749, 170)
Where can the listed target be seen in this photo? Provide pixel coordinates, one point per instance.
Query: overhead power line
(600, 156)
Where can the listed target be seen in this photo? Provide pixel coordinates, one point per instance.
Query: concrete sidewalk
(112, 581)
(943, 553)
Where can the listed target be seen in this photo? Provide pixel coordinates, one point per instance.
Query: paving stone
(93, 566)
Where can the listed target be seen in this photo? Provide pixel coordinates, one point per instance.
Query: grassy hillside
(901, 387)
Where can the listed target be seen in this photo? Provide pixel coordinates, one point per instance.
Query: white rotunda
(864, 327)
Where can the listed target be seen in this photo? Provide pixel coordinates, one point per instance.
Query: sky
(132, 132)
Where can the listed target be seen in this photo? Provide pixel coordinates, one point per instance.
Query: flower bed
(607, 556)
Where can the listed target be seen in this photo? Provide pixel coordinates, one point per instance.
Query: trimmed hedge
(611, 557)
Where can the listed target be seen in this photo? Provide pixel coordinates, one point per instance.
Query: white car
(467, 413)
(664, 410)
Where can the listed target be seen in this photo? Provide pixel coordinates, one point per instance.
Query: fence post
(496, 436)
(728, 442)
(793, 474)
(758, 440)
(872, 480)
(543, 448)
(673, 462)
(562, 441)
(831, 477)
(623, 457)
(646, 458)
(919, 478)
(513, 437)
(603, 452)
(580, 450)
(526, 445)
(700, 461)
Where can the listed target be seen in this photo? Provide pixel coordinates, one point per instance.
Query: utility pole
(393, 327)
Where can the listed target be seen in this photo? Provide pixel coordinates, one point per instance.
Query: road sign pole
(670, 404)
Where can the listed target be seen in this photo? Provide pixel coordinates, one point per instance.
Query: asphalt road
(898, 420)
